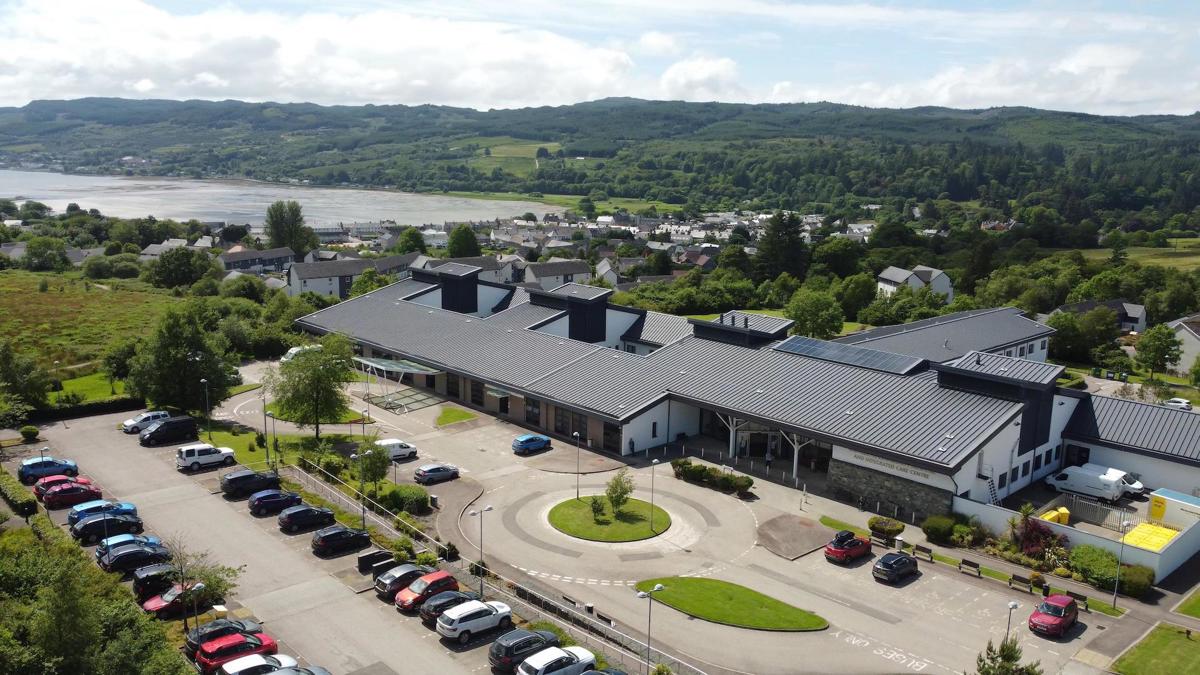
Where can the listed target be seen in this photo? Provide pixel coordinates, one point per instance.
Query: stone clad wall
(889, 491)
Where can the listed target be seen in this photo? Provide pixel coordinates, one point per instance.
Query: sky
(1105, 57)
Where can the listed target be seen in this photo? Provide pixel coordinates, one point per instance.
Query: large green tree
(45, 254)
(177, 355)
(734, 258)
(855, 293)
(816, 314)
(179, 267)
(1068, 342)
(285, 227)
(409, 241)
(839, 255)
(462, 242)
(368, 281)
(21, 376)
(781, 249)
(1005, 660)
(1158, 349)
(308, 389)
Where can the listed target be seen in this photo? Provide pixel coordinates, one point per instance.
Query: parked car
(216, 653)
(1054, 616)
(199, 455)
(847, 546)
(434, 606)
(257, 664)
(34, 468)
(474, 617)
(70, 494)
(294, 351)
(337, 538)
(130, 557)
(242, 482)
(558, 661)
(168, 430)
(424, 588)
(272, 501)
(98, 506)
(1178, 403)
(307, 670)
(43, 485)
(119, 540)
(435, 473)
(391, 582)
(136, 423)
(510, 649)
(894, 566)
(397, 449)
(215, 629)
(92, 529)
(173, 601)
(304, 516)
(606, 671)
(151, 580)
(527, 443)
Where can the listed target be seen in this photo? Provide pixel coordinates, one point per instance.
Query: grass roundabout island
(575, 517)
(732, 605)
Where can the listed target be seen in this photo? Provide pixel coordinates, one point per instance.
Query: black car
(168, 431)
(432, 608)
(92, 529)
(894, 566)
(304, 516)
(151, 580)
(337, 538)
(510, 649)
(125, 559)
(391, 582)
(215, 629)
(245, 482)
(272, 501)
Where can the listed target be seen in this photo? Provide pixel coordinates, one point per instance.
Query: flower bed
(710, 476)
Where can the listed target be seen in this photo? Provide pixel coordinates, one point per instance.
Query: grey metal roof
(662, 329)
(457, 269)
(251, 254)
(1009, 367)
(573, 289)
(850, 355)
(393, 262)
(1145, 428)
(523, 315)
(332, 268)
(950, 336)
(483, 262)
(895, 274)
(754, 321)
(554, 269)
(925, 273)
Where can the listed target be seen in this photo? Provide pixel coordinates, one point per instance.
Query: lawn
(571, 201)
(840, 525)
(348, 417)
(1183, 254)
(768, 312)
(248, 453)
(730, 604)
(452, 415)
(243, 388)
(1165, 650)
(72, 322)
(93, 387)
(1190, 606)
(574, 517)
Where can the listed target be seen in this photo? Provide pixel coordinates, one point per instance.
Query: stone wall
(882, 492)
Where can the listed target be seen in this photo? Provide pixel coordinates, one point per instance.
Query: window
(533, 411)
(631, 349)
(1037, 462)
(562, 422)
(476, 392)
(1046, 457)
(1043, 345)
(1008, 352)
(654, 430)
(452, 385)
(1025, 469)
(1013, 474)
(1021, 351)
(568, 278)
(1057, 452)
(1003, 480)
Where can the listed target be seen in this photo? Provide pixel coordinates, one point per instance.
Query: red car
(1054, 616)
(216, 653)
(846, 546)
(70, 494)
(170, 602)
(424, 588)
(43, 485)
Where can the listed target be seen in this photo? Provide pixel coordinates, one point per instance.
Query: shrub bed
(18, 496)
(1097, 566)
(884, 526)
(938, 529)
(410, 498)
(1136, 580)
(710, 476)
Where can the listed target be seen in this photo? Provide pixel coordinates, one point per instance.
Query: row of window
(1022, 350)
(1023, 470)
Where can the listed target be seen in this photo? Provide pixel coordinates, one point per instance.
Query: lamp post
(576, 435)
(207, 416)
(1012, 604)
(653, 464)
(362, 485)
(482, 565)
(1120, 559)
(365, 413)
(274, 438)
(646, 595)
(42, 452)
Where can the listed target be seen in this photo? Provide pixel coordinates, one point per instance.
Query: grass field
(572, 201)
(1183, 254)
(1191, 606)
(730, 604)
(93, 387)
(1165, 650)
(71, 322)
(574, 517)
(345, 418)
(452, 415)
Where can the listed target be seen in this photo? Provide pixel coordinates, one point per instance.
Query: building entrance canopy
(398, 366)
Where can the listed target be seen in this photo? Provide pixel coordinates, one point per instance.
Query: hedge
(1136, 580)
(885, 526)
(19, 497)
(938, 529)
(711, 476)
(410, 498)
(112, 405)
(1097, 565)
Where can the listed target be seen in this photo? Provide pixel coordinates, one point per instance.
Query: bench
(919, 550)
(1081, 599)
(882, 540)
(970, 566)
(1020, 580)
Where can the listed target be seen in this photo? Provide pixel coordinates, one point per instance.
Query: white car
(294, 351)
(556, 661)
(461, 622)
(1178, 403)
(255, 664)
(397, 449)
(199, 455)
(139, 422)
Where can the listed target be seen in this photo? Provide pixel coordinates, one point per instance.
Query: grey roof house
(253, 260)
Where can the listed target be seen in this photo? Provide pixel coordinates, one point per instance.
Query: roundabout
(637, 520)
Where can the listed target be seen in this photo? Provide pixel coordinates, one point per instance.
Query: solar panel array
(850, 355)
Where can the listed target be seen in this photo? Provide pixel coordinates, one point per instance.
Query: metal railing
(1091, 511)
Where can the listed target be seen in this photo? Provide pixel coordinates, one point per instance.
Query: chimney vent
(745, 322)
(978, 359)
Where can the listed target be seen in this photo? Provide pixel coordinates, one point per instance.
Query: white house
(1187, 330)
(551, 275)
(606, 270)
(918, 277)
(326, 278)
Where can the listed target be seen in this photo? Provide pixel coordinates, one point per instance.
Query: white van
(1129, 484)
(199, 455)
(397, 449)
(1083, 481)
(291, 353)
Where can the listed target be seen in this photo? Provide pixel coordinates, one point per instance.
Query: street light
(653, 463)
(42, 452)
(365, 412)
(646, 595)
(362, 485)
(274, 438)
(207, 416)
(1120, 559)
(482, 565)
(1012, 604)
(576, 435)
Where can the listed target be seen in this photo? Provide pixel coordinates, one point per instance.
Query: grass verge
(836, 524)
(1191, 606)
(1167, 649)
(94, 387)
(732, 605)
(453, 415)
(349, 416)
(574, 517)
(243, 388)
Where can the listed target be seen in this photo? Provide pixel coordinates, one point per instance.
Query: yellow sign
(1158, 507)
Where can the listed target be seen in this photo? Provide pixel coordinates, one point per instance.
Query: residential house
(152, 251)
(550, 275)
(498, 270)
(326, 278)
(606, 270)
(78, 255)
(1187, 330)
(917, 278)
(253, 260)
(1130, 317)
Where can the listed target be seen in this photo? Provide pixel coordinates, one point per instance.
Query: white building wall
(560, 327)
(996, 457)
(1153, 472)
(647, 430)
(885, 288)
(1190, 348)
(942, 284)
(616, 323)
(487, 297)
(1034, 350)
(321, 285)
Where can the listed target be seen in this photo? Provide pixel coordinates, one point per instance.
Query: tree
(1119, 244)
(117, 358)
(816, 314)
(1068, 342)
(410, 241)
(22, 377)
(1158, 349)
(45, 254)
(285, 227)
(308, 389)
(178, 267)
(597, 506)
(856, 292)
(13, 411)
(368, 281)
(735, 258)
(1006, 660)
(1194, 373)
(839, 255)
(245, 286)
(65, 626)
(1099, 327)
(176, 355)
(781, 249)
(206, 581)
(618, 490)
(97, 267)
(374, 466)
(462, 242)
(659, 264)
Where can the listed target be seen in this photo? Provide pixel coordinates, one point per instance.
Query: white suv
(556, 661)
(459, 623)
(397, 449)
(199, 455)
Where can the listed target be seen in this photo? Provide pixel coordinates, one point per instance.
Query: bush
(333, 464)
(410, 498)
(19, 497)
(742, 483)
(962, 536)
(712, 476)
(884, 526)
(260, 440)
(680, 465)
(451, 551)
(29, 433)
(1096, 565)
(1062, 572)
(1136, 580)
(427, 558)
(402, 549)
(1037, 579)
(938, 529)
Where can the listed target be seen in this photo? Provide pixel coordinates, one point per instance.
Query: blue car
(111, 543)
(526, 443)
(100, 507)
(39, 467)
(272, 501)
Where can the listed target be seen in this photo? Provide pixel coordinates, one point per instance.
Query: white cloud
(702, 78)
(656, 43)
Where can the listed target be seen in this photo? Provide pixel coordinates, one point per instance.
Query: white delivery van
(397, 449)
(1129, 484)
(199, 455)
(1083, 481)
